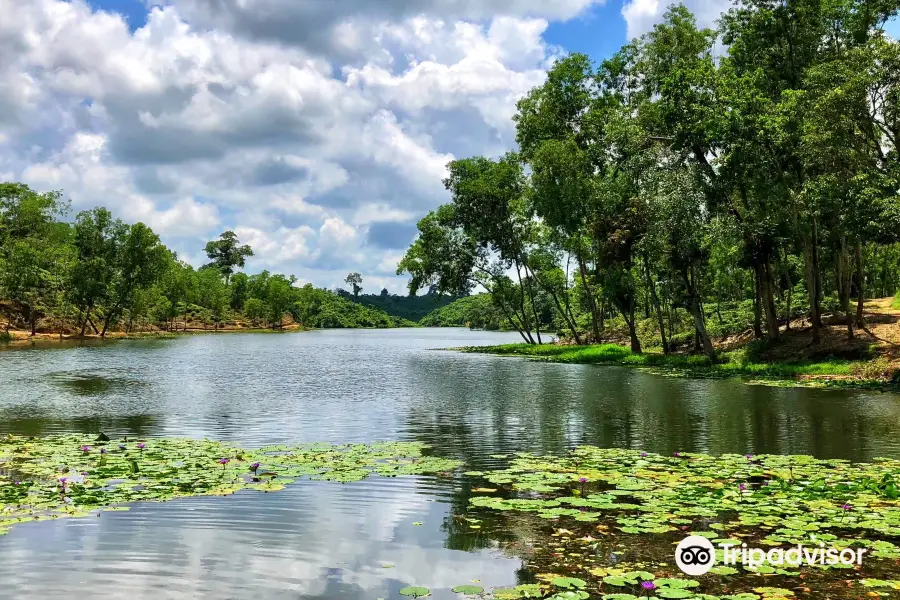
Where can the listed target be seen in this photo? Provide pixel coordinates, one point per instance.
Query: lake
(353, 541)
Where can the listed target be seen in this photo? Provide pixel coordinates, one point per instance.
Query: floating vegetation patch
(612, 518)
(77, 475)
(595, 523)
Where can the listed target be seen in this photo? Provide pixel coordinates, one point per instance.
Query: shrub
(880, 369)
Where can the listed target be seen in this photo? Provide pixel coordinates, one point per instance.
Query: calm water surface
(330, 541)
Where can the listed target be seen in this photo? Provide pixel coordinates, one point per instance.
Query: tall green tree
(35, 255)
(97, 239)
(140, 262)
(355, 281)
(227, 254)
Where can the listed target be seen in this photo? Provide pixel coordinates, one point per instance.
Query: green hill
(412, 308)
(322, 308)
(475, 311)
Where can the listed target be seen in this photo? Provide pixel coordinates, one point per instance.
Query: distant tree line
(96, 274)
(697, 174)
(409, 307)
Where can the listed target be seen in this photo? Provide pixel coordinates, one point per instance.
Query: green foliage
(476, 312)
(876, 373)
(411, 308)
(355, 280)
(255, 310)
(227, 254)
(73, 475)
(321, 308)
(673, 177)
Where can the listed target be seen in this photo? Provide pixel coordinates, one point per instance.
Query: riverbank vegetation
(871, 360)
(744, 363)
(567, 509)
(97, 276)
(684, 192)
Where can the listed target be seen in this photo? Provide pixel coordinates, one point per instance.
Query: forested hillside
(477, 312)
(412, 308)
(698, 183)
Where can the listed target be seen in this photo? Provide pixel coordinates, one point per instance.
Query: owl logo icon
(695, 555)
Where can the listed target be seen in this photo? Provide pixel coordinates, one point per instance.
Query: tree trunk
(564, 311)
(595, 326)
(860, 285)
(537, 321)
(671, 318)
(632, 331)
(700, 328)
(757, 313)
(526, 325)
(602, 312)
(813, 281)
(513, 322)
(790, 294)
(656, 307)
(106, 320)
(84, 322)
(842, 268)
(789, 289)
(766, 295)
(33, 319)
(696, 310)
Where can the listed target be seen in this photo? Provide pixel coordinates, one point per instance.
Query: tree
(97, 238)
(240, 290)
(226, 254)
(212, 293)
(355, 280)
(255, 310)
(279, 298)
(35, 257)
(557, 132)
(139, 263)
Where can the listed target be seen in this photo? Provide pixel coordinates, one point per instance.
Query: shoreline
(24, 338)
(827, 373)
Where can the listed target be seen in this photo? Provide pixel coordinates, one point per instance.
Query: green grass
(731, 364)
(896, 302)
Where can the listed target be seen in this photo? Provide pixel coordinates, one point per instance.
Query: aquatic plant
(53, 477)
(643, 503)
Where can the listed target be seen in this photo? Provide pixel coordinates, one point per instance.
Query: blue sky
(599, 32)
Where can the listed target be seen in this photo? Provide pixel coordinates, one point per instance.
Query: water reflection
(322, 540)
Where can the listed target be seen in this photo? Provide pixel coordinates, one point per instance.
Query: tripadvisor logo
(696, 555)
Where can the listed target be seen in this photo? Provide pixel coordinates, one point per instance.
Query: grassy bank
(876, 373)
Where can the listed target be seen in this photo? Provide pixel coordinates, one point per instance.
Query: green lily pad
(468, 589)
